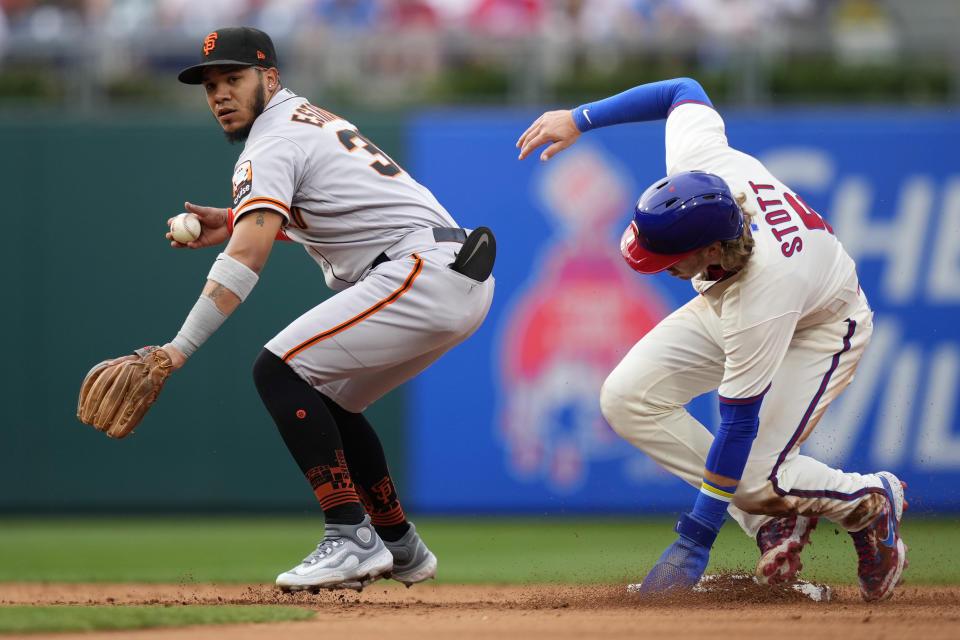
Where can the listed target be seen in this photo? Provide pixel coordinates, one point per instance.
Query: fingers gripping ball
(115, 395)
(185, 228)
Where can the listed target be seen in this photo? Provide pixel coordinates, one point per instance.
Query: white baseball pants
(643, 399)
(388, 327)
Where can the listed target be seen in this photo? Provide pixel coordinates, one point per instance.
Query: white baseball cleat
(350, 556)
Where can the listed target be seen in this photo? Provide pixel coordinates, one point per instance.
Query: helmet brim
(643, 260)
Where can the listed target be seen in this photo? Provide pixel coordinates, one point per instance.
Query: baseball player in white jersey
(411, 283)
(777, 328)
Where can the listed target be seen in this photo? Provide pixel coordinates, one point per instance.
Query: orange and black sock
(311, 435)
(368, 467)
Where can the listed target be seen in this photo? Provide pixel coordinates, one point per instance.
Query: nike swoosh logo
(586, 115)
(891, 538)
(483, 240)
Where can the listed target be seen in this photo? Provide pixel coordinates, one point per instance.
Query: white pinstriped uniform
(793, 321)
(347, 202)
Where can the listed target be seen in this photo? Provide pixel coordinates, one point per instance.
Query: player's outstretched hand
(213, 227)
(556, 127)
(679, 568)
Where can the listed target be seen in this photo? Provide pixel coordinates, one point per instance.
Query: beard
(257, 107)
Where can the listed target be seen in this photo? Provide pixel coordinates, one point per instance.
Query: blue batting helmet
(676, 217)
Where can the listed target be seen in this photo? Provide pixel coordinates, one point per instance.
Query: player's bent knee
(613, 409)
(615, 396)
(270, 370)
(608, 404)
(631, 420)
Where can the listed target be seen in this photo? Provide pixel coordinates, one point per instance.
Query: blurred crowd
(50, 19)
(395, 42)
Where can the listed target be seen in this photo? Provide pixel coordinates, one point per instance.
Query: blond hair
(734, 253)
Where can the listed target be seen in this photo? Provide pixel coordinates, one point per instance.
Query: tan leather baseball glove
(116, 394)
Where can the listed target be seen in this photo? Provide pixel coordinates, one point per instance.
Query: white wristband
(234, 275)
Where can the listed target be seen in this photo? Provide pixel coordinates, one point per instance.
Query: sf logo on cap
(209, 43)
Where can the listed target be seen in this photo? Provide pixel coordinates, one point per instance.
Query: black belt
(440, 234)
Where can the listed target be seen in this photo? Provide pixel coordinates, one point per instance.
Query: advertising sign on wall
(509, 421)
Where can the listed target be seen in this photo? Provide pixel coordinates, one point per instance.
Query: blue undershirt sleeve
(651, 101)
(739, 422)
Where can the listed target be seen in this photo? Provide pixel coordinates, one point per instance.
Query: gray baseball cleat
(412, 561)
(350, 556)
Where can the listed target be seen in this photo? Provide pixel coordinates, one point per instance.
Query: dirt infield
(465, 612)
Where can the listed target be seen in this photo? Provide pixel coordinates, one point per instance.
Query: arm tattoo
(217, 292)
(259, 219)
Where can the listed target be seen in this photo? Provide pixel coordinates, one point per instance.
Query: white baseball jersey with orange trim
(347, 202)
(343, 198)
(793, 320)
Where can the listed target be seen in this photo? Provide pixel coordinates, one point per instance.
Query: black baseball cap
(232, 46)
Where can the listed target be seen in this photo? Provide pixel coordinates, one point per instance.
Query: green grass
(64, 618)
(471, 550)
(474, 550)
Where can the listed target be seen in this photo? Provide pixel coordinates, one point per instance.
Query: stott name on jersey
(783, 226)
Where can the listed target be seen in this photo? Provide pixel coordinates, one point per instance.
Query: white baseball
(185, 228)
